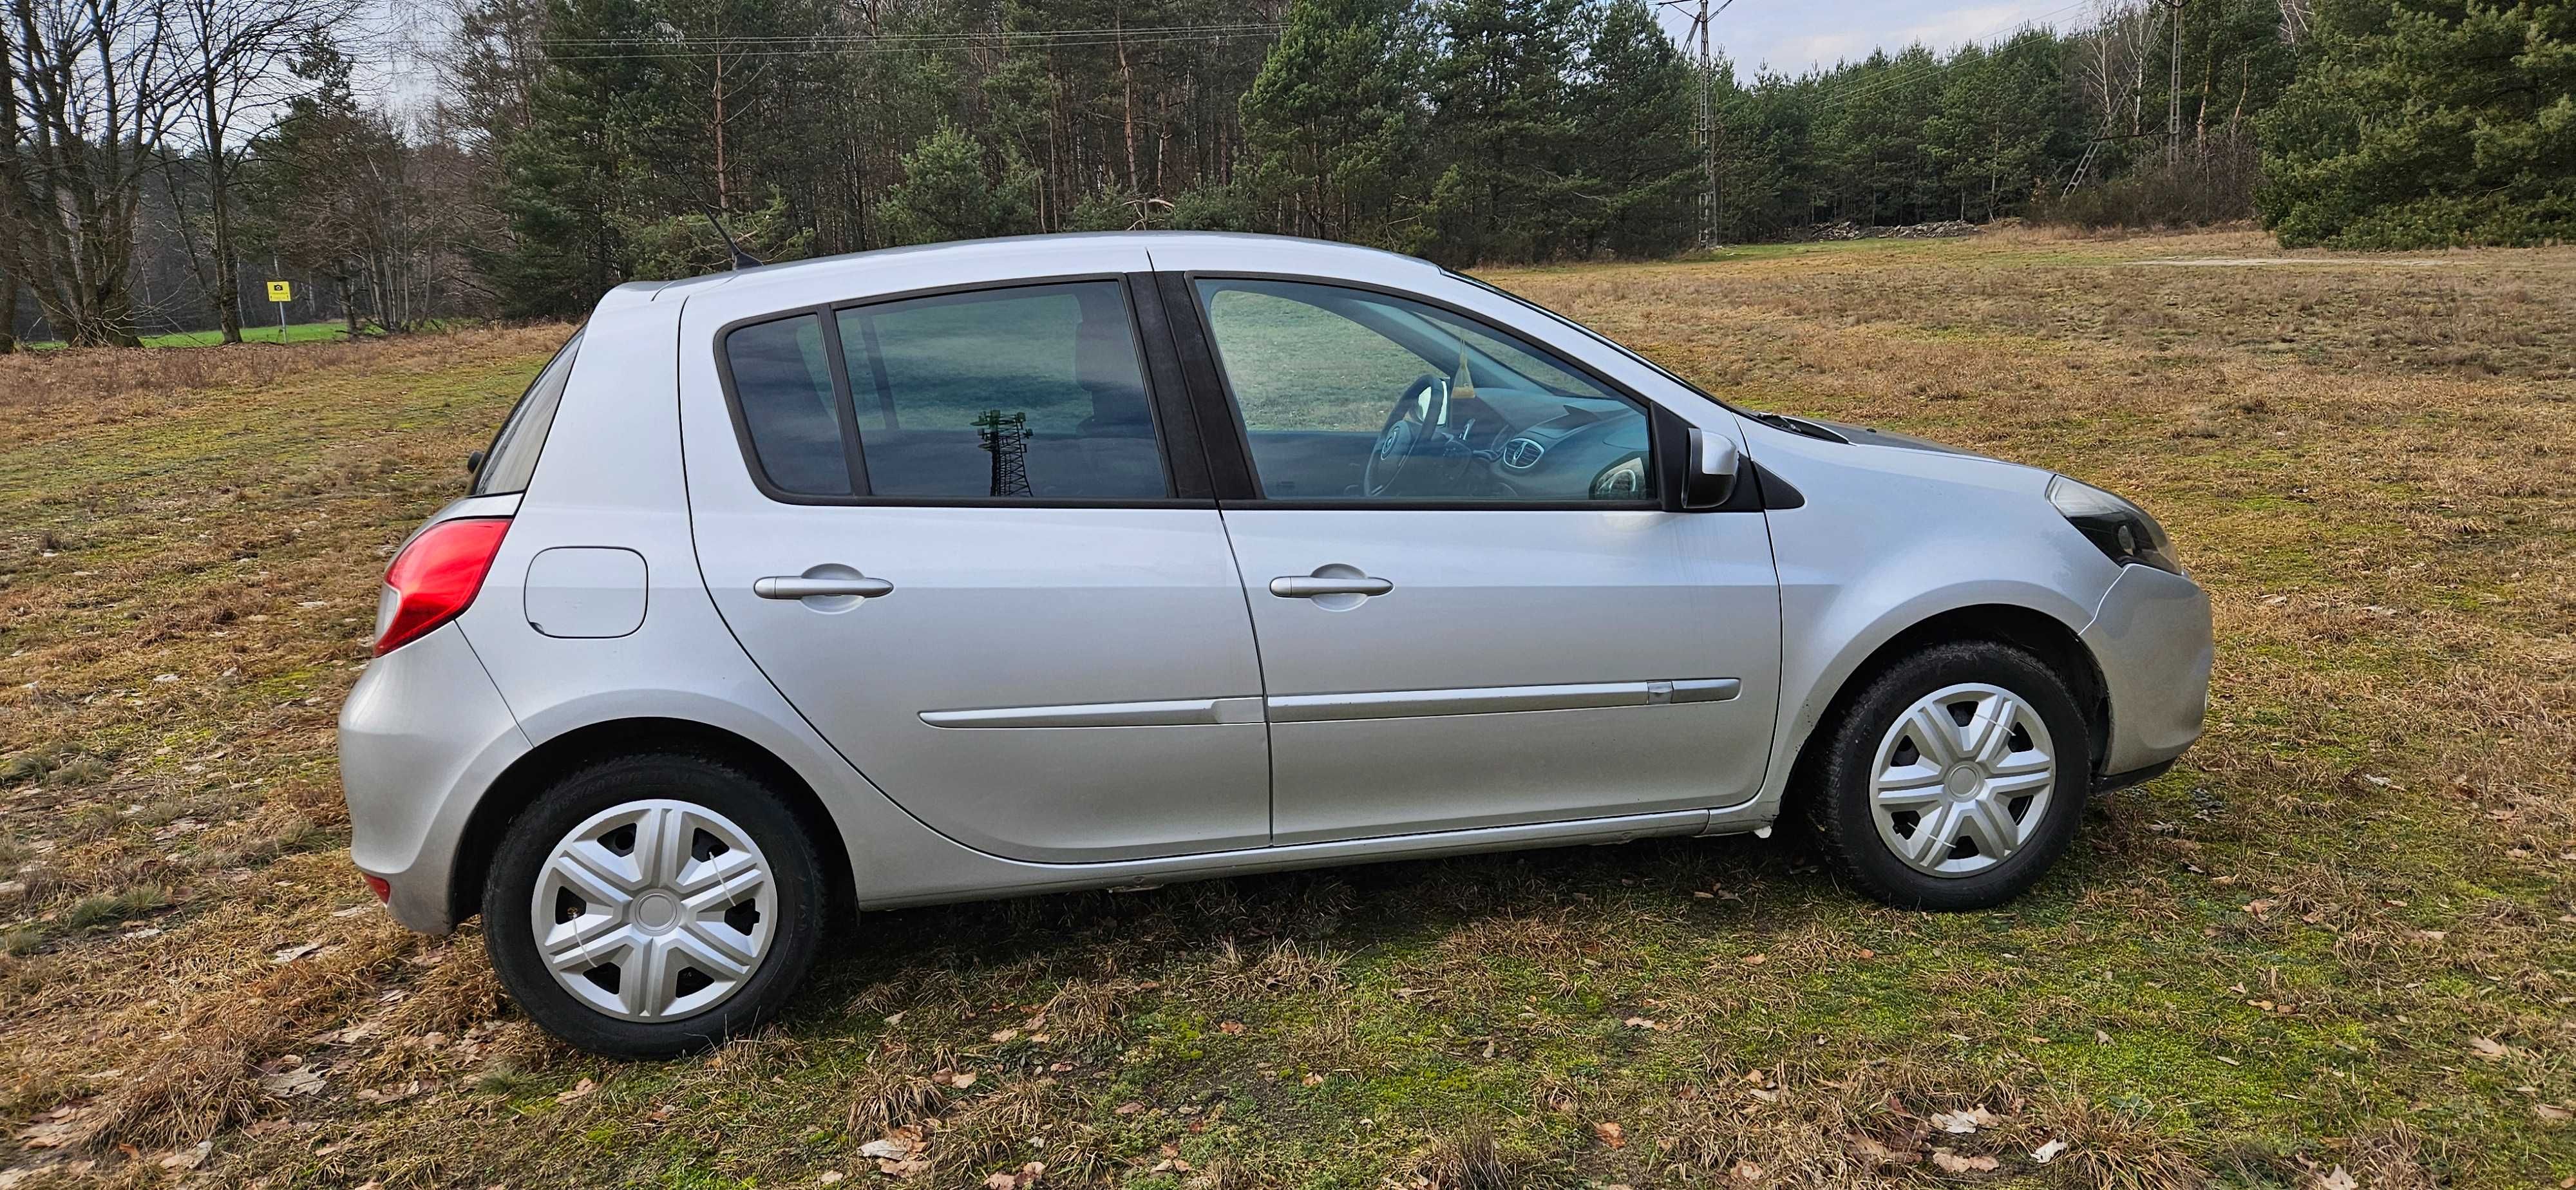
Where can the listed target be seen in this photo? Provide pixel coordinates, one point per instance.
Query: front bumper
(2151, 636)
(423, 734)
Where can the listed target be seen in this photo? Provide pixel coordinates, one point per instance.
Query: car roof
(1320, 256)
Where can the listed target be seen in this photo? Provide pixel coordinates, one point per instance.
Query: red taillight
(377, 885)
(435, 577)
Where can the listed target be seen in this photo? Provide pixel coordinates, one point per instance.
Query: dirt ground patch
(2342, 934)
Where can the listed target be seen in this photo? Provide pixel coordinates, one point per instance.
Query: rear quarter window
(512, 459)
(781, 377)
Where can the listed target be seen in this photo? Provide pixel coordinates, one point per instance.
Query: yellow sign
(280, 291)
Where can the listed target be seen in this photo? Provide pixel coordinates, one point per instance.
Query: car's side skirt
(1750, 817)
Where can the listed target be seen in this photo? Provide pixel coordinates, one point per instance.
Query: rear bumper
(423, 734)
(2151, 636)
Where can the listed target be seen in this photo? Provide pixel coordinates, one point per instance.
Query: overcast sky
(1791, 37)
(1786, 35)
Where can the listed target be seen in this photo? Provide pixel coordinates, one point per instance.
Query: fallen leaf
(1746, 1171)
(53, 1134)
(2048, 1152)
(298, 1080)
(1638, 1022)
(830, 1177)
(891, 1148)
(2552, 1112)
(2490, 1049)
(1954, 1163)
(2338, 1180)
(1964, 1122)
(292, 953)
(580, 1090)
(1230, 1028)
(1868, 1148)
(1611, 1134)
(1006, 1035)
(401, 1091)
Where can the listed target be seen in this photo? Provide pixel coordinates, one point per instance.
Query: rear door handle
(1301, 586)
(799, 587)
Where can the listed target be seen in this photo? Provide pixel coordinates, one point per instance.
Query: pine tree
(1500, 95)
(2427, 122)
(1332, 123)
(947, 193)
(1635, 107)
(566, 180)
(1998, 129)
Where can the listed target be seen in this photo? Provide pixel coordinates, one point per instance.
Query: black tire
(1836, 794)
(704, 781)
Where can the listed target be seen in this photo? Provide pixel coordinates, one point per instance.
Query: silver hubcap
(1962, 779)
(654, 910)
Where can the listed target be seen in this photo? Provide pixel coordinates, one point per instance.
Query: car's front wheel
(651, 905)
(1954, 779)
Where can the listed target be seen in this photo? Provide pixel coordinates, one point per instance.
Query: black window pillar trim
(1228, 452)
(1185, 455)
(844, 400)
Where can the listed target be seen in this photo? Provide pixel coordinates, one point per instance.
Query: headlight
(2124, 531)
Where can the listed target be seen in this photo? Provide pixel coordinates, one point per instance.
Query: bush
(2215, 185)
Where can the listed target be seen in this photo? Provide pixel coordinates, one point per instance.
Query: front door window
(1352, 395)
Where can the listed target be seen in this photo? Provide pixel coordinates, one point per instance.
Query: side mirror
(474, 462)
(1714, 462)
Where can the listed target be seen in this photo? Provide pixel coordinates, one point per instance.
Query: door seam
(1260, 671)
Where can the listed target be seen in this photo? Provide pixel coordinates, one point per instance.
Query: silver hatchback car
(1072, 562)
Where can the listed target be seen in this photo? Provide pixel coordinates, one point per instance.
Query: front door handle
(1302, 586)
(801, 587)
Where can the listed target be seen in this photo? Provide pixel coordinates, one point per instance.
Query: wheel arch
(530, 774)
(2044, 636)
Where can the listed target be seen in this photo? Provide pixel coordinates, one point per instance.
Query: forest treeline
(576, 144)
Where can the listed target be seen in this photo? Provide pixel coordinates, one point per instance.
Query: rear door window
(1031, 392)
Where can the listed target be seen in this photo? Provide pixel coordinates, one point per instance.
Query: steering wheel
(1411, 440)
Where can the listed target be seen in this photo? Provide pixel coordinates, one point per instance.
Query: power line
(675, 37)
(679, 53)
(603, 49)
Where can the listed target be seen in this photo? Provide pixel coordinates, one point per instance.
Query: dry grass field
(2336, 946)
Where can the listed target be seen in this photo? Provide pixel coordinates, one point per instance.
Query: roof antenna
(741, 259)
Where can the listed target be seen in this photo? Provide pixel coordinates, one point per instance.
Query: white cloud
(1980, 22)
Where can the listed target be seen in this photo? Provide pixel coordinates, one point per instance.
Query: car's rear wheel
(1953, 780)
(651, 905)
